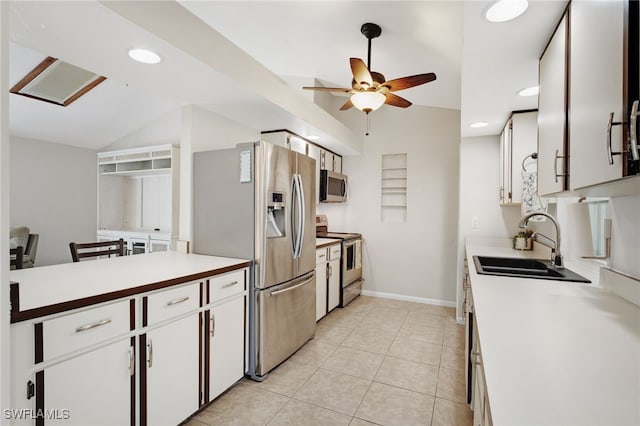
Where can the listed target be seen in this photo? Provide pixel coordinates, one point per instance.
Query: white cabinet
(333, 277)
(79, 350)
(552, 114)
(330, 161)
(138, 191)
(96, 387)
(224, 333)
(171, 355)
(171, 361)
(518, 140)
(227, 345)
(596, 72)
(327, 279)
(480, 403)
(321, 283)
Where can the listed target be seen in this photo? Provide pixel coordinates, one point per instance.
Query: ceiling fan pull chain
(368, 125)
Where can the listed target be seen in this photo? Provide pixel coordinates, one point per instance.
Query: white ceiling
(479, 65)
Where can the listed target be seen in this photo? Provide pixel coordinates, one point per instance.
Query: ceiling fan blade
(346, 105)
(328, 89)
(360, 72)
(407, 82)
(395, 100)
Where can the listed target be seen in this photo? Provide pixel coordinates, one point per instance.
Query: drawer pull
(322, 255)
(93, 325)
(132, 361)
(150, 354)
(176, 301)
(230, 284)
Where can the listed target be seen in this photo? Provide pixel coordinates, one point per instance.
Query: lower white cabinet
(480, 403)
(321, 283)
(333, 277)
(226, 340)
(327, 279)
(146, 359)
(97, 387)
(172, 368)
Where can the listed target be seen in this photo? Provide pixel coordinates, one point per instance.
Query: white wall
(53, 192)
(202, 130)
(625, 234)
(415, 260)
(161, 131)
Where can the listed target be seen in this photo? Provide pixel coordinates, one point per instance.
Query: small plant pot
(523, 243)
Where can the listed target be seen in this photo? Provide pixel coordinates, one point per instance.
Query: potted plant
(523, 240)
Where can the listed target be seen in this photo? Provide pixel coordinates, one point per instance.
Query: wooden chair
(102, 248)
(15, 258)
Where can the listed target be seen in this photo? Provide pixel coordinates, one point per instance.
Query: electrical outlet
(475, 222)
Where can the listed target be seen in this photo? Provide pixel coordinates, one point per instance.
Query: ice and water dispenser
(276, 215)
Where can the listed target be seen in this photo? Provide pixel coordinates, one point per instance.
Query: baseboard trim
(424, 300)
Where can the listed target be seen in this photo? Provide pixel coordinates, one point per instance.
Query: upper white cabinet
(138, 191)
(518, 141)
(596, 58)
(552, 114)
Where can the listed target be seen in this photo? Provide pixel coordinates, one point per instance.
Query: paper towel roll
(579, 230)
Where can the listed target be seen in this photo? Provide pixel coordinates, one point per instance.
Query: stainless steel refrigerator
(257, 201)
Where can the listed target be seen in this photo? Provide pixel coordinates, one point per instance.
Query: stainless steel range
(351, 260)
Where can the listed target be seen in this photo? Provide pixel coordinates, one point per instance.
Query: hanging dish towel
(530, 200)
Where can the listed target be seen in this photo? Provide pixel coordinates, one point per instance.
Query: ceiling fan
(369, 89)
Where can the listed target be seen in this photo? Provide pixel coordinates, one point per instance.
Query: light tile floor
(377, 361)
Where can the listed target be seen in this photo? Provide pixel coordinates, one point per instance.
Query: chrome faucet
(556, 256)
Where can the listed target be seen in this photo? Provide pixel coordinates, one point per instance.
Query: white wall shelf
(393, 188)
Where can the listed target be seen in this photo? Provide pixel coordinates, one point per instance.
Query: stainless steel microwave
(333, 187)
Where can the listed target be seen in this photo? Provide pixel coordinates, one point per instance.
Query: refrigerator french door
(256, 201)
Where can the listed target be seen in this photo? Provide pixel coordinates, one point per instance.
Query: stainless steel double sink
(524, 268)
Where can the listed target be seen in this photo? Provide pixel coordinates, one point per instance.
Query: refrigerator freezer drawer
(287, 320)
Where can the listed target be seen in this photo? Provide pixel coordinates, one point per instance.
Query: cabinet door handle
(176, 301)
(555, 166)
(213, 324)
(132, 360)
(93, 325)
(150, 354)
(230, 284)
(633, 133)
(610, 124)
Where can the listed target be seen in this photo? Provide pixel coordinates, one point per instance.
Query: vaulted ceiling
(239, 63)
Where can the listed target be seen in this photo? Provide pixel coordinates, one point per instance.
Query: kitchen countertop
(555, 353)
(325, 242)
(49, 289)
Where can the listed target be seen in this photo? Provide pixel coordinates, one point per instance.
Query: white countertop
(555, 353)
(49, 285)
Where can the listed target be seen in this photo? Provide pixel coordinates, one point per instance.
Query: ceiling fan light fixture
(505, 10)
(368, 101)
(144, 56)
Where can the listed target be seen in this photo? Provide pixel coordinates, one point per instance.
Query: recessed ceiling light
(505, 10)
(145, 56)
(479, 124)
(313, 137)
(529, 91)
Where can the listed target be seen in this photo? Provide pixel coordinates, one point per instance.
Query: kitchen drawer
(334, 251)
(223, 286)
(170, 303)
(85, 328)
(321, 256)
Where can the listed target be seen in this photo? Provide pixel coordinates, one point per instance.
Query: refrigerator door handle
(304, 280)
(302, 215)
(294, 229)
